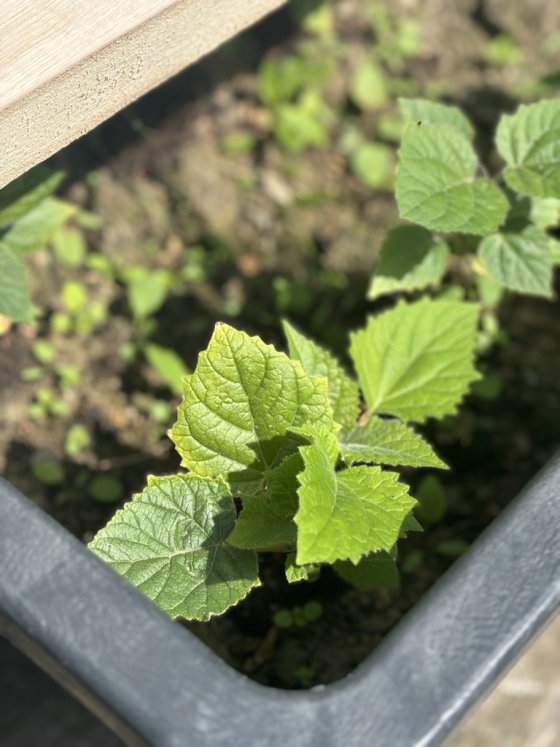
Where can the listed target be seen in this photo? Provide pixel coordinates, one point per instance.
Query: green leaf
(345, 515)
(376, 571)
(519, 261)
(415, 361)
(168, 365)
(266, 521)
(373, 163)
(147, 291)
(387, 442)
(238, 406)
(368, 87)
(432, 502)
(14, 296)
(69, 246)
(106, 489)
(170, 542)
(554, 247)
(434, 113)
(26, 192)
(296, 573)
(437, 186)
(316, 361)
(529, 142)
(303, 124)
(280, 80)
(36, 228)
(409, 259)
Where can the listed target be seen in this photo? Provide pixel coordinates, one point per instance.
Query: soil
(254, 237)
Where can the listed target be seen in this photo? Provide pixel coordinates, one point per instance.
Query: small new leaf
(389, 442)
(437, 185)
(316, 361)
(529, 142)
(409, 259)
(346, 515)
(267, 519)
(415, 361)
(520, 261)
(238, 406)
(170, 542)
(296, 573)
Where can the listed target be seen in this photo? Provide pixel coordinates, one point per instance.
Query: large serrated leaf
(14, 296)
(266, 521)
(26, 192)
(435, 113)
(387, 442)
(437, 185)
(519, 261)
(238, 406)
(170, 542)
(346, 515)
(409, 259)
(415, 361)
(316, 361)
(529, 143)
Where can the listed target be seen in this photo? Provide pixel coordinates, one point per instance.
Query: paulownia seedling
(291, 454)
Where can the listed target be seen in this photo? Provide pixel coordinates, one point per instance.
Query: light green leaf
(437, 185)
(14, 296)
(280, 80)
(147, 291)
(415, 361)
(168, 365)
(170, 542)
(529, 142)
(387, 442)
(544, 212)
(373, 163)
(376, 571)
(267, 519)
(238, 406)
(554, 248)
(519, 261)
(434, 113)
(368, 87)
(345, 515)
(69, 246)
(303, 124)
(409, 259)
(316, 361)
(296, 573)
(26, 192)
(35, 228)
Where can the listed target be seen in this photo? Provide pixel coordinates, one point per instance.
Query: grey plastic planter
(155, 684)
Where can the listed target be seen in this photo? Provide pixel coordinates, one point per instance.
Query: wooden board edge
(64, 109)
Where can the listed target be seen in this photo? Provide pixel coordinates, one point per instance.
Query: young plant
(442, 187)
(284, 455)
(31, 218)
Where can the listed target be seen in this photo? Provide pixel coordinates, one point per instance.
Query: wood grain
(65, 66)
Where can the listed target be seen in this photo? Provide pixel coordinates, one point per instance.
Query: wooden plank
(65, 67)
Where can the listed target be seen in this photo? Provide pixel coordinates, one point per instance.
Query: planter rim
(155, 684)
